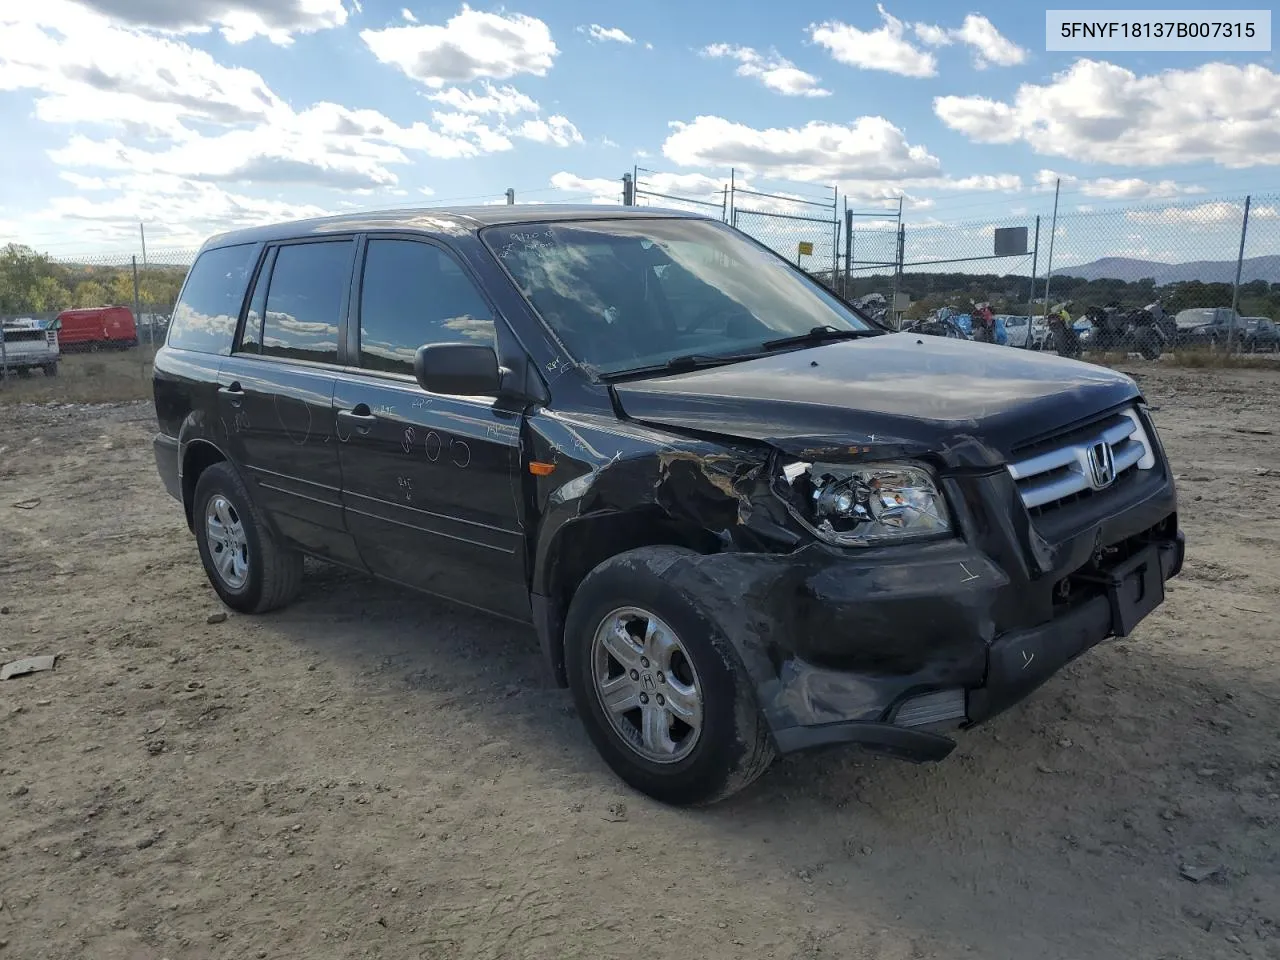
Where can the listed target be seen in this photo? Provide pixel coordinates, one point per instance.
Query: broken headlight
(854, 504)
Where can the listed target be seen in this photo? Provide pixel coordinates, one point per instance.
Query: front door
(275, 394)
(430, 482)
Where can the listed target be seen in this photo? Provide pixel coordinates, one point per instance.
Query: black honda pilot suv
(742, 518)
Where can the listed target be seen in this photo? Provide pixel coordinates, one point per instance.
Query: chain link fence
(1173, 276)
(37, 290)
(1176, 276)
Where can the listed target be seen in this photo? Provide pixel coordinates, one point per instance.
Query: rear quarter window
(205, 316)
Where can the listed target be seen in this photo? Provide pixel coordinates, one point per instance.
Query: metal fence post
(1053, 233)
(900, 256)
(848, 247)
(137, 300)
(1235, 287)
(4, 361)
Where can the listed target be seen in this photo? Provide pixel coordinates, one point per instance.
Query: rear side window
(304, 301)
(413, 294)
(204, 318)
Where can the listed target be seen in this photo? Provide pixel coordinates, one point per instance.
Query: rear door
(276, 392)
(429, 481)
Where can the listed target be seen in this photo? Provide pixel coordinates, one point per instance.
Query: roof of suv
(441, 220)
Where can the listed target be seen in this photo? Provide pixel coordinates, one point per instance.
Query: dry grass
(1197, 360)
(110, 377)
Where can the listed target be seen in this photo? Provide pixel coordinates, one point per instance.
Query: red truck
(97, 328)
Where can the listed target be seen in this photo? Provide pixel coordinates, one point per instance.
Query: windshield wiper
(687, 361)
(822, 334)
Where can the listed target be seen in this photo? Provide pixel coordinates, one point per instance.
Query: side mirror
(461, 369)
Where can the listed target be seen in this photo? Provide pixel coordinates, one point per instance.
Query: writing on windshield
(625, 294)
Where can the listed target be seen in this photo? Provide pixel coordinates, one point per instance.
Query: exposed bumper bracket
(903, 743)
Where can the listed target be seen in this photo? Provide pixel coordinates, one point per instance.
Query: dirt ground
(374, 774)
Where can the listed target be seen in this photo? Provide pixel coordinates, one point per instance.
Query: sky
(197, 116)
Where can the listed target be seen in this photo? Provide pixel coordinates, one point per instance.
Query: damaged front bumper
(892, 648)
(1014, 664)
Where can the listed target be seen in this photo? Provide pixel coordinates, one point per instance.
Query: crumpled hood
(970, 402)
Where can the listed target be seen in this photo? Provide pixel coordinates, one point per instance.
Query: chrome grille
(1084, 462)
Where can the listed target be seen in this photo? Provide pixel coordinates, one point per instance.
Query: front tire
(661, 691)
(250, 571)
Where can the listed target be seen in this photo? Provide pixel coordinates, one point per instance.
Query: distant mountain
(1206, 271)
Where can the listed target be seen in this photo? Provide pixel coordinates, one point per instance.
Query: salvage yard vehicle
(742, 517)
(27, 345)
(97, 328)
(1028, 333)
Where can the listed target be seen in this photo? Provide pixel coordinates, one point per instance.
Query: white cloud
(1099, 112)
(1202, 215)
(239, 20)
(600, 189)
(555, 130)
(92, 72)
(471, 45)
(601, 34)
(885, 48)
(988, 45)
(871, 148)
(407, 14)
(146, 108)
(777, 73)
(1109, 188)
(931, 35)
(504, 101)
(177, 211)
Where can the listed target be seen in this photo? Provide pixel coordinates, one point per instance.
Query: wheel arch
(198, 455)
(579, 546)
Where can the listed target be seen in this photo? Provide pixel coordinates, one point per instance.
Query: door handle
(234, 392)
(359, 417)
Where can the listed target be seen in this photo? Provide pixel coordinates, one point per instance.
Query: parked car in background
(1205, 326)
(1260, 335)
(742, 518)
(27, 345)
(97, 328)
(1018, 329)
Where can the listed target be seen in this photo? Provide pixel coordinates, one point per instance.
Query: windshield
(627, 294)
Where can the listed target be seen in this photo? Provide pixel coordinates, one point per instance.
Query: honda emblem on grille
(1102, 465)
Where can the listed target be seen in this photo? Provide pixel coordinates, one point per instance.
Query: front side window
(625, 294)
(413, 294)
(304, 301)
(204, 318)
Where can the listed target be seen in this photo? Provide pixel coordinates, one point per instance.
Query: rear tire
(250, 571)
(731, 747)
(50, 369)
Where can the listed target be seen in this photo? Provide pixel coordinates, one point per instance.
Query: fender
(191, 436)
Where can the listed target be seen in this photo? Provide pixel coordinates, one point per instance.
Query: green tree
(89, 293)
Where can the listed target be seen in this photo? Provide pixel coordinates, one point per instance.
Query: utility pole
(628, 191)
(511, 195)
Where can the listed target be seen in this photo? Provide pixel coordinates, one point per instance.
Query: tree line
(32, 282)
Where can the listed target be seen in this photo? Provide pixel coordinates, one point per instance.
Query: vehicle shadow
(1069, 826)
